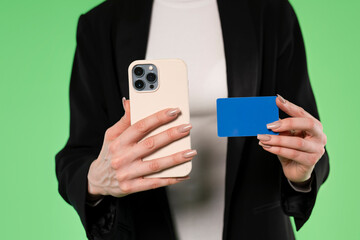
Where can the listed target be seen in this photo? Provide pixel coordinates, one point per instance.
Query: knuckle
(149, 143)
(159, 117)
(289, 123)
(141, 126)
(114, 164)
(324, 139)
(125, 187)
(320, 125)
(300, 143)
(278, 140)
(171, 133)
(108, 133)
(121, 177)
(322, 151)
(312, 123)
(276, 150)
(177, 158)
(279, 151)
(301, 111)
(154, 166)
(294, 155)
(170, 182)
(313, 159)
(113, 147)
(117, 162)
(154, 185)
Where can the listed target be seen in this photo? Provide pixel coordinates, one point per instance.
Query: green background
(37, 42)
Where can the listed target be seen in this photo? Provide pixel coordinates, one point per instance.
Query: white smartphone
(153, 86)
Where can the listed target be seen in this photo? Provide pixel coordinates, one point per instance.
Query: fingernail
(185, 128)
(264, 145)
(183, 178)
(263, 137)
(282, 100)
(273, 125)
(173, 112)
(123, 102)
(190, 154)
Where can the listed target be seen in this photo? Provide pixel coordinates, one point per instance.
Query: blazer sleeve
(293, 83)
(88, 123)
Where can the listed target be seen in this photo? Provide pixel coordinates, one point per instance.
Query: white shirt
(191, 30)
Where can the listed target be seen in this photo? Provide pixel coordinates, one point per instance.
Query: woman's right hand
(119, 169)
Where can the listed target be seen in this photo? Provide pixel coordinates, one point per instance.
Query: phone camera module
(145, 77)
(139, 84)
(151, 77)
(139, 71)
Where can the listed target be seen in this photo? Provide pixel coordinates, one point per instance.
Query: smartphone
(153, 86)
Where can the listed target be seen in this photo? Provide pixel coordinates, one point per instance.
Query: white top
(190, 30)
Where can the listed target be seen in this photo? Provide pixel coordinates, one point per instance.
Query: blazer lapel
(243, 76)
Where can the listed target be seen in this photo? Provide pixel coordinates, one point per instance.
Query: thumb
(120, 126)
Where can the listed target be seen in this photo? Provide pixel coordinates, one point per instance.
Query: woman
(254, 48)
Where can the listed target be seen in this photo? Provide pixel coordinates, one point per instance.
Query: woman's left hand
(300, 143)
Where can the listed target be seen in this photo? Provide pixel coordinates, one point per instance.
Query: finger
(126, 106)
(143, 184)
(142, 127)
(119, 127)
(307, 159)
(291, 109)
(153, 143)
(294, 123)
(292, 132)
(296, 143)
(297, 133)
(159, 164)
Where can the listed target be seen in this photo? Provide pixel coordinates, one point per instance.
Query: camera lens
(139, 84)
(139, 71)
(151, 77)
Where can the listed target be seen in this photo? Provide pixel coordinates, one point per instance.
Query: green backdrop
(37, 42)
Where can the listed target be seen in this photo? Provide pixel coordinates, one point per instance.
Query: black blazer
(265, 55)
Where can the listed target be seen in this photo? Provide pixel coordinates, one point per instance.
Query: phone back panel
(172, 92)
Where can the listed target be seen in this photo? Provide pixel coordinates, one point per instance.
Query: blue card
(245, 116)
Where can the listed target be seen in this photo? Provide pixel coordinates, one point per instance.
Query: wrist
(302, 184)
(90, 198)
(93, 200)
(93, 196)
(304, 187)
(93, 190)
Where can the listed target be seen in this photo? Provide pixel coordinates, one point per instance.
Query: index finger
(291, 109)
(141, 128)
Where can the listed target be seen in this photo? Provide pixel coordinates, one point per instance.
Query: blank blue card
(245, 116)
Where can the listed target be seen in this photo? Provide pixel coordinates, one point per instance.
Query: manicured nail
(264, 145)
(123, 102)
(173, 112)
(263, 137)
(282, 100)
(190, 154)
(183, 178)
(185, 128)
(273, 125)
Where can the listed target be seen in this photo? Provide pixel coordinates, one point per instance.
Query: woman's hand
(300, 144)
(119, 169)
